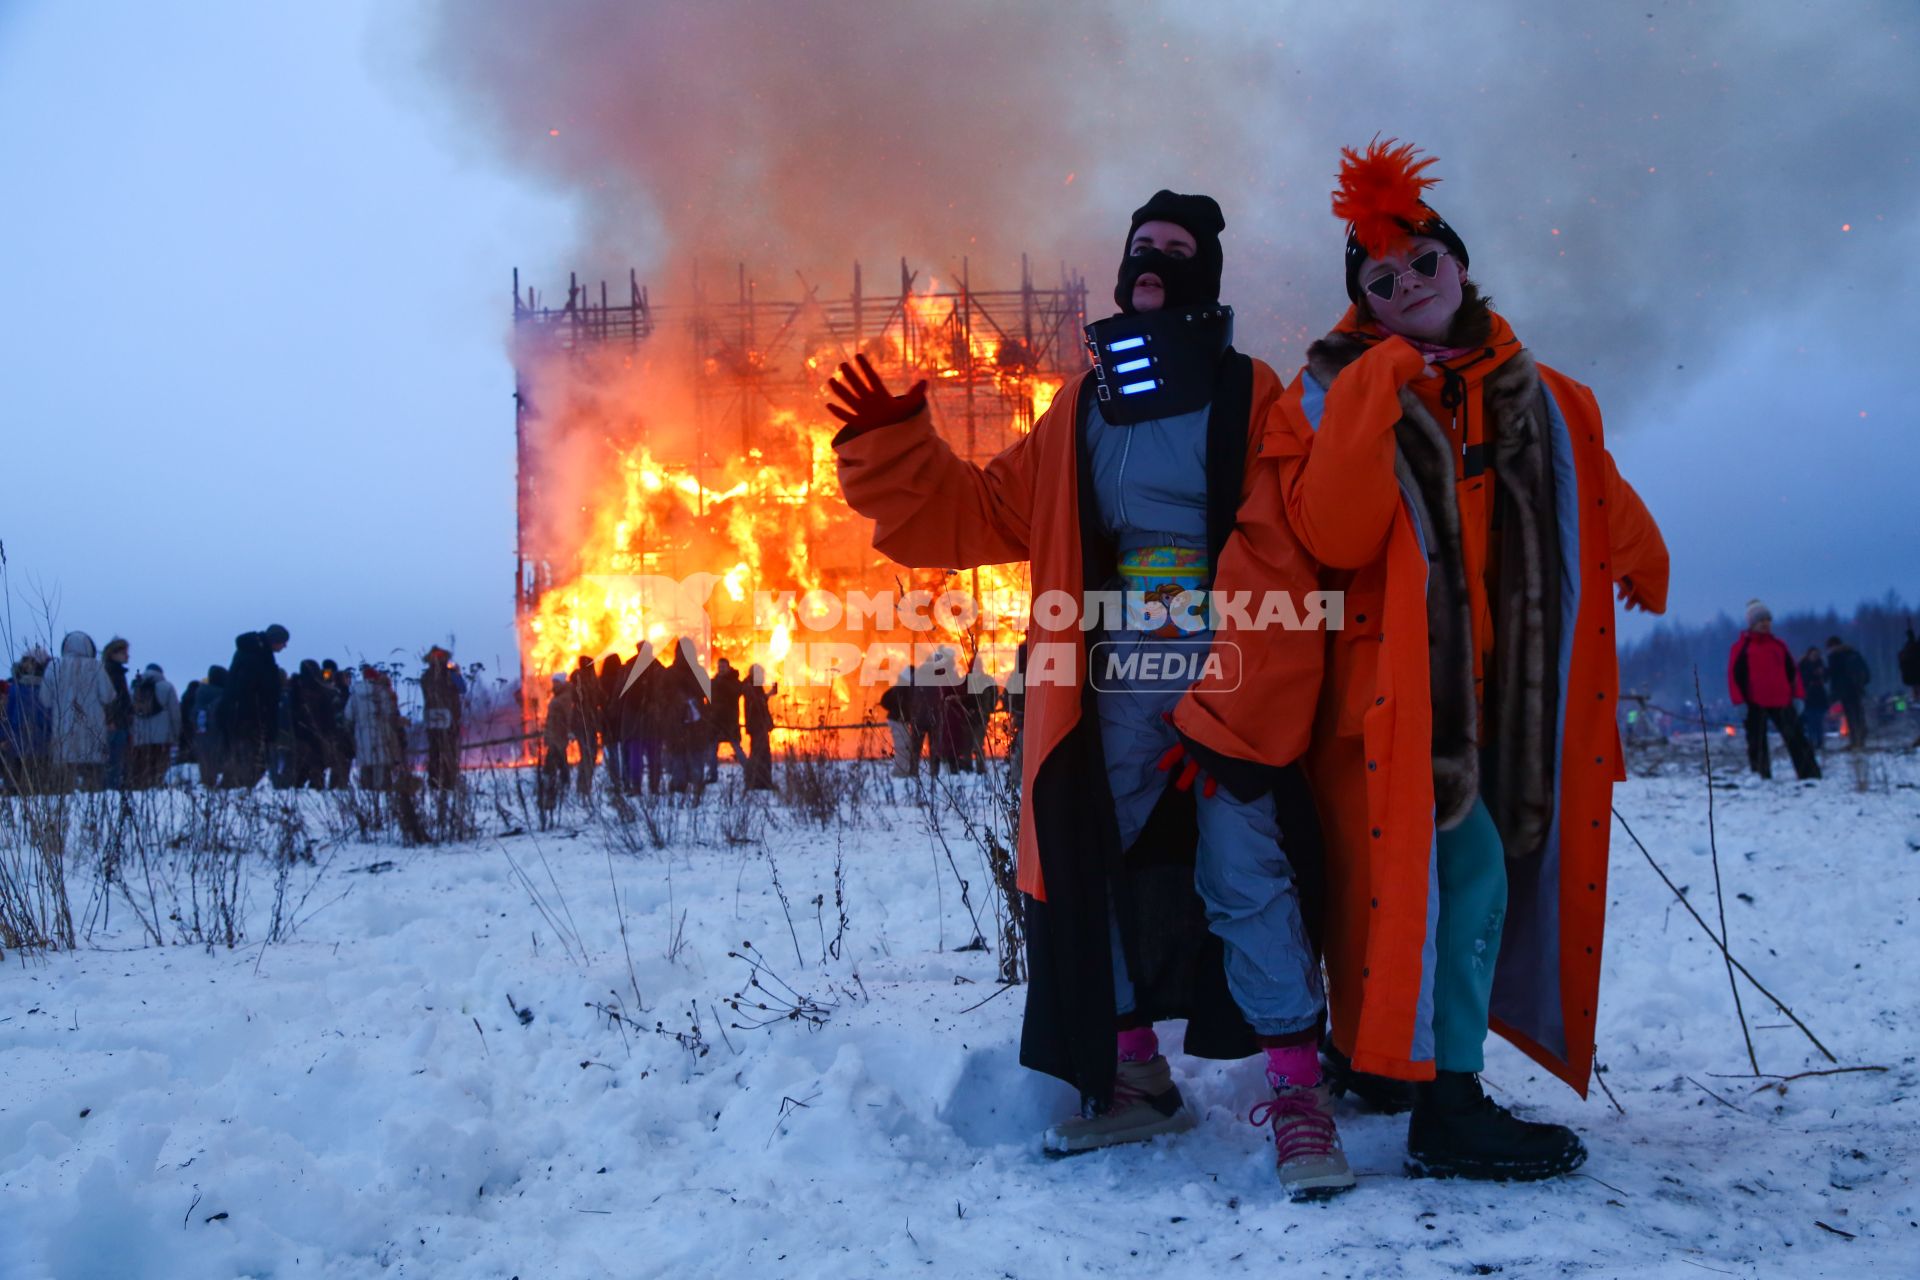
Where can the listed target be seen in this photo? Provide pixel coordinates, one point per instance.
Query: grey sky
(255, 346)
(257, 363)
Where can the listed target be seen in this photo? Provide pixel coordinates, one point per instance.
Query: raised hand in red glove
(868, 403)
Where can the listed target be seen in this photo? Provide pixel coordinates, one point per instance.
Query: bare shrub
(35, 911)
(986, 806)
(183, 861)
(775, 1001)
(551, 903)
(693, 1040)
(455, 816)
(814, 783)
(740, 819)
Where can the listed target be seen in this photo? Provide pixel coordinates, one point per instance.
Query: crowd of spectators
(87, 720)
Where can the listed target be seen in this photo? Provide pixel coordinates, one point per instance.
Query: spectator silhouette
(28, 726)
(442, 690)
(1813, 719)
(156, 727)
(78, 693)
(250, 707)
(120, 715)
(1848, 676)
(1763, 677)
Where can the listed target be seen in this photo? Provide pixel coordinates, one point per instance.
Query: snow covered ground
(426, 1082)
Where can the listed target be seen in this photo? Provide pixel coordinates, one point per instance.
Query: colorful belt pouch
(1163, 574)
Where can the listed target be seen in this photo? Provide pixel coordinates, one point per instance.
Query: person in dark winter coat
(1016, 700)
(280, 751)
(442, 689)
(1763, 677)
(897, 702)
(683, 715)
(643, 747)
(250, 705)
(339, 745)
(759, 728)
(208, 727)
(612, 680)
(561, 728)
(120, 715)
(589, 706)
(1909, 660)
(314, 713)
(1813, 717)
(926, 702)
(983, 699)
(189, 698)
(1847, 676)
(723, 717)
(156, 728)
(28, 726)
(951, 744)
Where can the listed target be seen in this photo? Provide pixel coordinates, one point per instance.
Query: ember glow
(677, 473)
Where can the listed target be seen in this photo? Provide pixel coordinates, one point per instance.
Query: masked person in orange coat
(1465, 751)
(1152, 890)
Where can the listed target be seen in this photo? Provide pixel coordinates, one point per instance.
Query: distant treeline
(1661, 666)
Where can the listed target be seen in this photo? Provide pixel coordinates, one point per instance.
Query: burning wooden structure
(676, 476)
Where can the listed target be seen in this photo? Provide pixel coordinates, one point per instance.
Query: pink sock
(1138, 1044)
(1294, 1065)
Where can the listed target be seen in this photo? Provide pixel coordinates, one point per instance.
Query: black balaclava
(1188, 281)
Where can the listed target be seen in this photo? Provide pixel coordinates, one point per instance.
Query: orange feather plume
(1380, 193)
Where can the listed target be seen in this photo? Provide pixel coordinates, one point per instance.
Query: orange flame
(657, 503)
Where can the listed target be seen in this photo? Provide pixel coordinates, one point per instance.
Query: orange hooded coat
(1371, 765)
(932, 509)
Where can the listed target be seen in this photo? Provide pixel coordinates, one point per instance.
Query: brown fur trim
(1523, 685)
(1327, 357)
(1424, 465)
(1425, 468)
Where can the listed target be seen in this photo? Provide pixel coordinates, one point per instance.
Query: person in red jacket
(1465, 746)
(1763, 677)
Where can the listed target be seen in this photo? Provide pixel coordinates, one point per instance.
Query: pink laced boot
(1306, 1145)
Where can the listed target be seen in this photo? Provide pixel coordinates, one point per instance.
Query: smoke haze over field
(1632, 184)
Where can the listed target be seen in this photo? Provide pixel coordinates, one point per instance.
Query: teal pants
(1473, 909)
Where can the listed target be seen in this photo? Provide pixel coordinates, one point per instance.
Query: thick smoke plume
(1635, 183)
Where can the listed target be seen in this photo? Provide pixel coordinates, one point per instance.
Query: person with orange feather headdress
(1465, 748)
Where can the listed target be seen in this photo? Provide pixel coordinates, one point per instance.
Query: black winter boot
(1374, 1093)
(1457, 1131)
